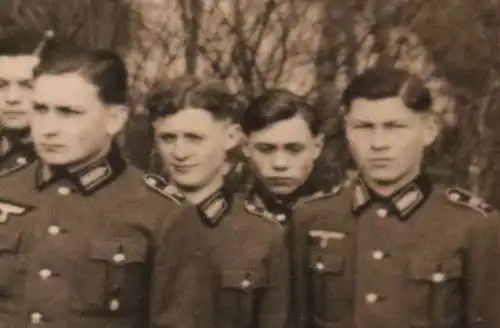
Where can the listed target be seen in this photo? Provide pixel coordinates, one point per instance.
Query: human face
(387, 139)
(71, 124)
(193, 147)
(16, 75)
(282, 155)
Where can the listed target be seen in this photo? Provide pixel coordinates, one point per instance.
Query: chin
(15, 124)
(53, 159)
(282, 191)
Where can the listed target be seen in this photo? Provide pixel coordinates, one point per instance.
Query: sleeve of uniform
(274, 307)
(183, 279)
(482, 272)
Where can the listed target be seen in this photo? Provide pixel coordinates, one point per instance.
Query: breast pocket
(436, 292)
(241, 294)
(9, 262)
(113, 278)
(328, 284)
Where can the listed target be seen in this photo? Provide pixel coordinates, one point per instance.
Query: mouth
(184, 168)
(12, 114)
(380, 161)
(280, 181)
(51, 148)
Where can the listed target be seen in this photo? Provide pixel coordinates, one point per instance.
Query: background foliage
(311, 47)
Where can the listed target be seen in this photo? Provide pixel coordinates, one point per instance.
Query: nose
(13, 95)
(47, 124)
(379, 140)
(180, 150)
(280, 161)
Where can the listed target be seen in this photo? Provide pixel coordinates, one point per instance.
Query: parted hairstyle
(276, 105)
(103, 68)
(381, 83)
(169, 97)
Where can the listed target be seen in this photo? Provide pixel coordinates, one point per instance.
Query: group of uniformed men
(87, 240)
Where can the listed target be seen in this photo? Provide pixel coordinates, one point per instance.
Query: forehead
(18, 67)
(69, 89)
(380, 110)
(292, 130)
(191, 119)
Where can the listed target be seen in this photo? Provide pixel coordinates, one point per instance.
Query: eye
(194, 137)
(27, 84)
(3, 83)
(40, 108)
(166, 137)
(396, 125)
(362, 126)
(265, 148)
(68, 111)
(295, 148)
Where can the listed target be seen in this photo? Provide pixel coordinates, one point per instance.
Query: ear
(116, 118)
(233, 136)
(431, 129)
(318, 145)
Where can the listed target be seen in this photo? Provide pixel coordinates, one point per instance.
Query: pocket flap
(326, 262)
(243, 278)
(118, 251)
(435, 270)
(9, 242)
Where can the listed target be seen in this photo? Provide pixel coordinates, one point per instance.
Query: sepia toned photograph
(249, 164)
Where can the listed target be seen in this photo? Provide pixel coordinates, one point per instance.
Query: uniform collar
(403, 203)
(12, 141)
(215, 207)
(87, 180)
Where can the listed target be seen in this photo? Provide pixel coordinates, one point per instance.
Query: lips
(13, 113)
(51, 147)
(183, 168)
(280, 181)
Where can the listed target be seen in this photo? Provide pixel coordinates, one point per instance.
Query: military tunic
(250, 256)
(15, 154)
(424, 257)
(282, 211)
(97, 248)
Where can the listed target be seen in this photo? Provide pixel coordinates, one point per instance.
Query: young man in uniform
(84, 242)
(283, 142)
(19, 55)
(194, 130)
(394, 250)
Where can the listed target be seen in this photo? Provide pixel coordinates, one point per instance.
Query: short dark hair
(381, 83)
(276, 105)
(170, 97)
(103, 68)
(20, 43)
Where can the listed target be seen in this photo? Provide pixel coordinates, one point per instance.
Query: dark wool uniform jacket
(250, 258)
(425, 258)
(98, 248)
(14, 157)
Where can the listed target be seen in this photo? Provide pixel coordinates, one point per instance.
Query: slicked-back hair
(382, 83)
(169, 97)
(21, 43)
(103, 68)
(277, 105)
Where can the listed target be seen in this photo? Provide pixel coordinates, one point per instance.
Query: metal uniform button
(114, 305)
(320, 266)
(438, 277)
(371, 298)
(454, 197)
(36, 318)
(245, 283)
(45, 274)
(54, 230)
(21, 160)
(382, 212)
(378, 255)
(119, 258)
(280, 217)
(63, 191)
(251, 207)
(151, 182)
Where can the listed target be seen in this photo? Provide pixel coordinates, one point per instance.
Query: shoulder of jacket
(164, 188)
(466, 199)
(261, 213)
(20, 164)
(324, 193)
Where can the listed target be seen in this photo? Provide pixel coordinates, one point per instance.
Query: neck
(74, 167)
(199, 195)
(386, 190)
